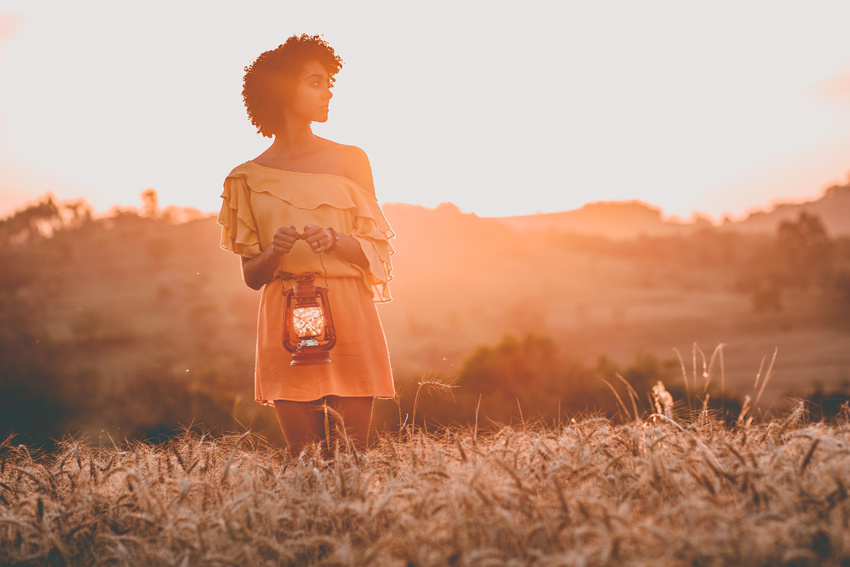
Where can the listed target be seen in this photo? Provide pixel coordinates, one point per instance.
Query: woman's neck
(295, 139)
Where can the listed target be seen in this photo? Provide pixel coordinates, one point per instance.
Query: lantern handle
(325, 270)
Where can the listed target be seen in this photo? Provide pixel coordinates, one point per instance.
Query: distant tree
(518, 373)
(150, 203)
(75, 213)
(526, 378)
(33, 221)
(804, 250)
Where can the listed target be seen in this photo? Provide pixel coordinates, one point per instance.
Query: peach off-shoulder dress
(257, 201)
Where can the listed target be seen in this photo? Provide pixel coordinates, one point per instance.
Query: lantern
(307, 318)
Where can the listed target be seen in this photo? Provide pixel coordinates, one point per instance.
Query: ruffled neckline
(304, 173)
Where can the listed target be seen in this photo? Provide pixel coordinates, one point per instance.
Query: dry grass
(651, 492)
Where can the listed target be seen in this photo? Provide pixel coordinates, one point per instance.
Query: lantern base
(302, 358)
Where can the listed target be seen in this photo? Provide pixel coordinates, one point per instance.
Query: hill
(630, 219)
(612, 219)
(463, 280)
(833, 208)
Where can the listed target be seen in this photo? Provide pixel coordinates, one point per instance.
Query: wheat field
(588, 492)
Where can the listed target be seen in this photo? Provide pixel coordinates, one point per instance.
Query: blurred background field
(135, 323)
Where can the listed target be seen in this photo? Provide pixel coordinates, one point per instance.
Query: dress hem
(271, 402)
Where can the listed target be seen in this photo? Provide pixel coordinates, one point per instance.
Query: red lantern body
(308, 329)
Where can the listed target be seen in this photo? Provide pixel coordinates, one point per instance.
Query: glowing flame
(308, 321)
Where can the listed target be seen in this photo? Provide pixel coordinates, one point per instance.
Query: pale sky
(502, 108)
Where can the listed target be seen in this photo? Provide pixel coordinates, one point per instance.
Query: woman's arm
(258, 271)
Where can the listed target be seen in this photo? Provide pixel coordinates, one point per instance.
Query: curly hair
(268, 79)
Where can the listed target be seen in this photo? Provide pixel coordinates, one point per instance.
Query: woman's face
(312, 93)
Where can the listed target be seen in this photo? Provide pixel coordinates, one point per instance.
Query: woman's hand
(283, 240)
(317, 238)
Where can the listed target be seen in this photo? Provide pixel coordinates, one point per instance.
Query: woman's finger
(284, 238)
(312, 230)
(287, 232)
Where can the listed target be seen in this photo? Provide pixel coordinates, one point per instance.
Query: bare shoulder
(357, 167)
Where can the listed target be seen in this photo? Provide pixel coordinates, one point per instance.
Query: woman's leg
(302, 423)
(357, 415)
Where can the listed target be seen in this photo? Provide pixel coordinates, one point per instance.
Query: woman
(308, 205)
